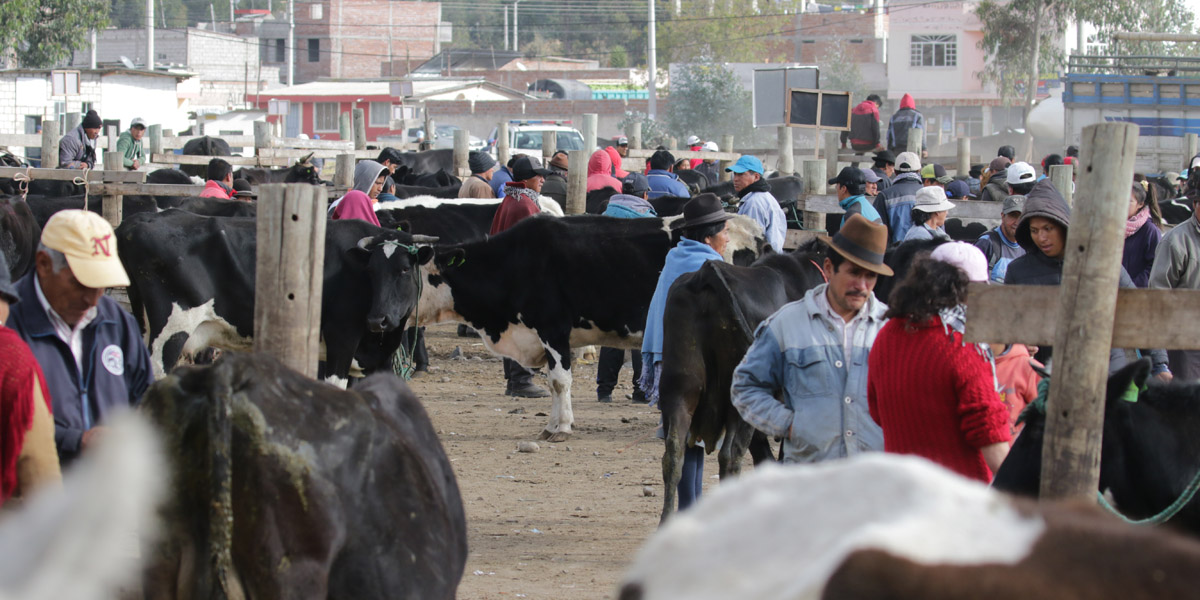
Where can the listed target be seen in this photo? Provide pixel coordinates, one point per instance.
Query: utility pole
(505, 26)
(149, 35)
(652, 63)
(291, 53)
(516, 38)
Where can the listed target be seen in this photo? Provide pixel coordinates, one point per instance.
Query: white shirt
(73, 337)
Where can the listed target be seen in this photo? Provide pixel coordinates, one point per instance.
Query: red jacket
(214, 189)
(864, 126)
(17, 370)
(519, 202)
(935, 397)
(599, 173)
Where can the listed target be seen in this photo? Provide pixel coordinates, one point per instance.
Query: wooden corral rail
(679, 154)
(71, 174)
(242, 161)
(291, 153)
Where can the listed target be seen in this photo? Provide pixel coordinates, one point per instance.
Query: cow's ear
(424, 253)
(452, 258)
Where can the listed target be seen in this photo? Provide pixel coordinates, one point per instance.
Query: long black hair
(930, 286)
(1143, 193)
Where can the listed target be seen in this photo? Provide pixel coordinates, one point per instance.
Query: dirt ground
(564, 521)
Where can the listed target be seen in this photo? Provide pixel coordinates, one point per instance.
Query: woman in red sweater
(933, 394)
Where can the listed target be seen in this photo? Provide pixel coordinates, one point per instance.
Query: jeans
(692, 481)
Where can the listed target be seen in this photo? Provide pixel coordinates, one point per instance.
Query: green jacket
(131, 149)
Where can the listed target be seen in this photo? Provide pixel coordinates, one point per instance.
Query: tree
(725, 31)
(40, 33)
(708, 101)
(1164, 16)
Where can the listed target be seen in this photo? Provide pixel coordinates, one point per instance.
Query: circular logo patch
(113, 360)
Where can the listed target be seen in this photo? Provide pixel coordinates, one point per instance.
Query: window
(279, 50)
(314, 50)
(64, 83)
(325, 116)
(380, 114)
(315, 12)
(934, 51)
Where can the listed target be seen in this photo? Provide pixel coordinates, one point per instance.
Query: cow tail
(220, 510)
(743, 324)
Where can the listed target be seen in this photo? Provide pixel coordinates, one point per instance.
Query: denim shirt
(798, 351)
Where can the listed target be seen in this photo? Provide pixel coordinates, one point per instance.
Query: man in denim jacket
(805, 376)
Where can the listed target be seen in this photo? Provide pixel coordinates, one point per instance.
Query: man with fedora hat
(478, 185)
(804, 377)
(555, 185)
(851, 186)
(703, 237)
(757, 202)
(89, 348)
(27, 455)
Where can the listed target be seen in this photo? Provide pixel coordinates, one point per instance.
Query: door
(33, 125)
(292, 125)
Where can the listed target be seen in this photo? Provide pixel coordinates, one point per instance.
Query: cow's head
(304, 172)
(392, 261)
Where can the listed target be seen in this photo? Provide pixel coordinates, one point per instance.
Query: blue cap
(746, 163)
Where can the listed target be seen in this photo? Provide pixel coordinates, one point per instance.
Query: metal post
(346, 131)
(1063, 178)
(576, 182)
(112, 203)
(1088, 303)
(359, 117)
(787, 161)
(150, 35)
(814, 185)
(461, 168)
(964, 156)
(549, 144)
(502, 153)
(343, 176)
(291, 53)
(516, 46)
(50, 144)
(651, 61)
(726, 146)
(590, 126)
(290, 261)
(155, 133)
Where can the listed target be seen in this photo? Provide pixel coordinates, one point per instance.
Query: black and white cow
(546, 285)
(192, 286)
(330, 493)
(885, 526)
(1149, 454)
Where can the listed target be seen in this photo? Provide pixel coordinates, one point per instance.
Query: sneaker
(526, 390)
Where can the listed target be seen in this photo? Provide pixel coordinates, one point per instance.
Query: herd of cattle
(532, 293)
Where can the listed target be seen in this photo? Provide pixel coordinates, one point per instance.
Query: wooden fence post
(831, 154)
(914, 140)
(110, 138)
(345, 130)
(50, 137)
(1192, 143)
(576, 182)
(343, 176)
(726, 146)
(814, 185)
(672, 143)
(461, 168)
(289, 262)
(590, 127)
(964, 156)
(787, 160)
(1075, 411)
(430, 129)
(634, 132)
(262, 137)
(502, 151)
(73, 120)
(112, 208)
(360, 128)
(549, 145)
(1062, 177)
(154, 132)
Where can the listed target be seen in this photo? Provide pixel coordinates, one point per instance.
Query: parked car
(444, 138)
(525, 136)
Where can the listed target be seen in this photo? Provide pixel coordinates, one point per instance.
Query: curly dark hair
(930, 286)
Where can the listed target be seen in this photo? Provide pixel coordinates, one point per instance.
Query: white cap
(138, 121)
(964, 256)
(908, 161)
(693, 140)
(710, 147)
(932, 199)
(1020, 172)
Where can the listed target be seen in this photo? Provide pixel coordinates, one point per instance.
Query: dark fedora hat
(861, 242)
(702, 210)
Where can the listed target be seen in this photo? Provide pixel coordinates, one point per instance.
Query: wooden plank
(293, 153)
(145, 189)
(174, 142)
(794, 238)
(678, 154)
(71, 174)
(1144, 318)
(963, 209)
(240, 161)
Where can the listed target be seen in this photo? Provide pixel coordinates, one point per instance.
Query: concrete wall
(154, 99)
(120, 96)
(862, 35)
(953, 18)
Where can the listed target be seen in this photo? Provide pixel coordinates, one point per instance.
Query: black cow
(44, 206)
(965, 232)
(301, 171)
(289, 488)
(899, 258)
(664, 206)
(709, 324)
(428, 161)
(412, 191)
(1149, 453)
(215, 207)
(695, 181)
(785, 189)
(451, 221)
(204, 146)
(19, 235)
(193, 286)
(546, 285)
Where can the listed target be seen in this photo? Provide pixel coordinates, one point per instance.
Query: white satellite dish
(128, 63)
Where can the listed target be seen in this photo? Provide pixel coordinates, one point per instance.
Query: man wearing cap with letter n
(89, 348)
(804, 377)
(851, 189)
(130, 145)
(757, 201)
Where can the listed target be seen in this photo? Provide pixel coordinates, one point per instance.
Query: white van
(525, 136)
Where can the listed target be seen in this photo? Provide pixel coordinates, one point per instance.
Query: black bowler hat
(885, 156)
(849, 177)
(704, 209)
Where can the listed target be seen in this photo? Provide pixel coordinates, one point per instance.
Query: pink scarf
(1136, 221)
(356, 205)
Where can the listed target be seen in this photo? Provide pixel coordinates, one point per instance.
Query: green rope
(404, 361)
(1129, 395)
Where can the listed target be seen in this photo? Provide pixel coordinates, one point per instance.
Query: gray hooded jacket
(365, 174)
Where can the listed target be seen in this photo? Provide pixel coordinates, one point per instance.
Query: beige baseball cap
(89, 244)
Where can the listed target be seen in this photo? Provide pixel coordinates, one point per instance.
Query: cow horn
(363, 243)
(424, 239)
(306, 157)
